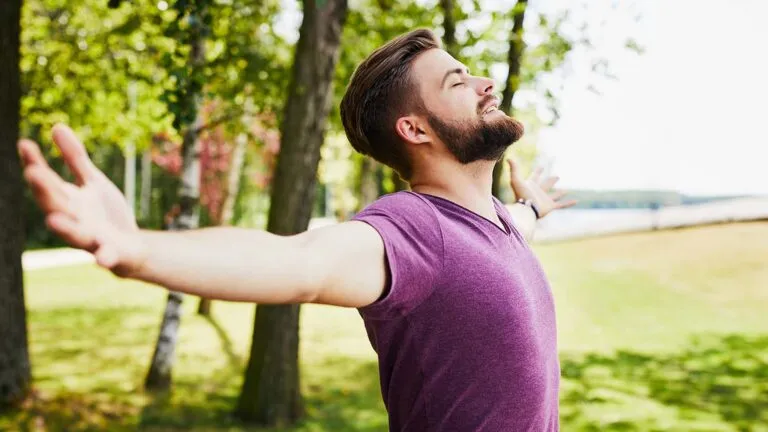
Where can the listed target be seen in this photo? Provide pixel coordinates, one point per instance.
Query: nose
(484, 86)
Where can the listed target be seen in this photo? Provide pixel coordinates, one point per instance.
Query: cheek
(456, 106)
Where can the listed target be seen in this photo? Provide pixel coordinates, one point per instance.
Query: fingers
(536, 174)
(30, 153)
(512, 165)
(549, 183)
(558, 195)
(74, 154)
(566, 204)
(107, 257)
(514, 171)
(70, 231)
(48, 188)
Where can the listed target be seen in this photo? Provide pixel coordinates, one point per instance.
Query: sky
(687, 114)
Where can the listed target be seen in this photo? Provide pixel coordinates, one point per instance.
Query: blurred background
(225, 112)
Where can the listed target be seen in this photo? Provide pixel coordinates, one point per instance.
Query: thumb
(515, 176)
(516, 180)
(107, 256)
(74, 153)
(120, 252)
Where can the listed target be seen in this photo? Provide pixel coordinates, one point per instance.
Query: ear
(411, 129)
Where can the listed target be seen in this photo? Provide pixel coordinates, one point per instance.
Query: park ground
(659, 331)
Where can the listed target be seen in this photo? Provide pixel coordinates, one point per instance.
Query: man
(454, 301)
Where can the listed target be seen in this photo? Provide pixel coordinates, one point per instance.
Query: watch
(529, 203)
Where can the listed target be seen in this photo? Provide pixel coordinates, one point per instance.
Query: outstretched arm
(539, 192)
(342, 265)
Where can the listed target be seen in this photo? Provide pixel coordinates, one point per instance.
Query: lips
(490, 106)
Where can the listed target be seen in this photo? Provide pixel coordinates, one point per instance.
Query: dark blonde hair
(381, 91)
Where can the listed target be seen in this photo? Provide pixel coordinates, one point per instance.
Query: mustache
(485, 101)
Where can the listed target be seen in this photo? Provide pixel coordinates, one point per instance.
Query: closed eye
(457, 84)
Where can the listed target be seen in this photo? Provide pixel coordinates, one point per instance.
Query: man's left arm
(536, 198)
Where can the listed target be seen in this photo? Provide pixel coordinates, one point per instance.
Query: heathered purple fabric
(466, 334)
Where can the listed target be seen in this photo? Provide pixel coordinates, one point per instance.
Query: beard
(480, 140)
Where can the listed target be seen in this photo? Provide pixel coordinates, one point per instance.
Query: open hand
(539, 191)
(91, 214)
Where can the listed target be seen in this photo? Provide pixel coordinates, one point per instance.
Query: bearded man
(455, 303)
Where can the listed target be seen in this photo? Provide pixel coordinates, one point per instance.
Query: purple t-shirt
(465, 333)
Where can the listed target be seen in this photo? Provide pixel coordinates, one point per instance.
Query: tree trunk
(449, 28)
(233, 180)
(380, 180)
(145, 196)
(514, 60)
(14, 355)
(159, 375)
(271, 391)
(228, 207)
(368, 183)
(204, 307)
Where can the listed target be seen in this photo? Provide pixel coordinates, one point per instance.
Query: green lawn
(658, 331)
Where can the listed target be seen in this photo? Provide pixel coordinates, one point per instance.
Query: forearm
(524, 219)
(227, 264)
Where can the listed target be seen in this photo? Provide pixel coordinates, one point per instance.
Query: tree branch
(223, 119)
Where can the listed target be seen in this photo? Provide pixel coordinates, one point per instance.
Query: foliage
(94, 68)
(216, 149)
(115, 75)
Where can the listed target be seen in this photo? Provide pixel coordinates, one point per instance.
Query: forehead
(430, 67)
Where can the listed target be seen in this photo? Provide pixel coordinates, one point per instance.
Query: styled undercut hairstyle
(381, 91)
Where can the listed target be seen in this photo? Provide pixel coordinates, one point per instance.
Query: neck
(466, 185)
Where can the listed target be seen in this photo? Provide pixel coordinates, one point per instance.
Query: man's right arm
(341, 265)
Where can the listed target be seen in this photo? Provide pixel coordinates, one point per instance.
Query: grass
(664, 331)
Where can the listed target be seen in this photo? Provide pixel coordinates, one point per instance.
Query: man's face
(462, 110)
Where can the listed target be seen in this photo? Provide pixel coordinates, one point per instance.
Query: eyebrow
(457, 71)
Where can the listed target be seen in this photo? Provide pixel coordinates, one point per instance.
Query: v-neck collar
(507, 230)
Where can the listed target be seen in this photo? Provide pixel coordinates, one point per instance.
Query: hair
(381, 91)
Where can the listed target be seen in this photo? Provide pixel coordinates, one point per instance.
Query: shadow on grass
(93, 348)
(717, 383)
(70, 412)
(348, 402)
(89, 365)
(235, 361)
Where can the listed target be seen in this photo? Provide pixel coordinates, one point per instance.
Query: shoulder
(404, 217)
(403, 204)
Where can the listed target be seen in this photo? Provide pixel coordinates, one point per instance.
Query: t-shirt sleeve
(413, 244)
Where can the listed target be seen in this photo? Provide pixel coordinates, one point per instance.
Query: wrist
(528, 203)
(133, 264)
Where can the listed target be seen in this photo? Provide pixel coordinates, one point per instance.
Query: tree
(186, 101)
(221, 209)
(14, 355)
(512, 83)
(271, 392)
(370, 176)
(222, 169)
(449, 28)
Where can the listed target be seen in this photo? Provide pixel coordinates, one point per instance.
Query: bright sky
(686, 115)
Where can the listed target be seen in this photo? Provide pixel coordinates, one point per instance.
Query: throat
(480, 204)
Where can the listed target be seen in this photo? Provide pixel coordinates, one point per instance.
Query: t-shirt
(465, 333)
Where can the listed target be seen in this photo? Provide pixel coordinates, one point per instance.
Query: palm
(538, 190)
(90, 215)
(100, 203)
